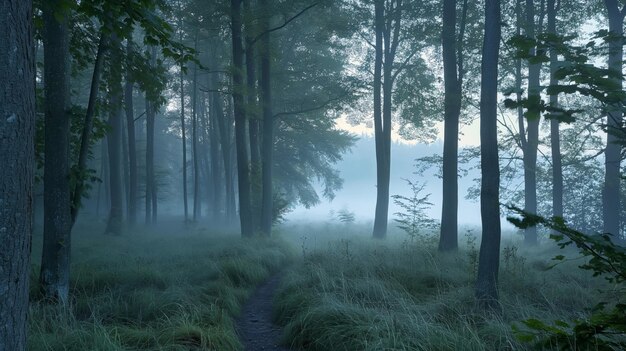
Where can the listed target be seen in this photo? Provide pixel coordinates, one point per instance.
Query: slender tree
(382, 201)
(265, 83)
(194, 139)
(532, 138)
(612, 153)
(133, 192)
(489, 256)
(17, 157)
(55, 263)
(182, 125)
(243, 170)
(555, 134)
(453, 80)
(114, 139)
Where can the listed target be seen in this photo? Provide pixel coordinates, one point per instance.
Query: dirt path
(255, 327)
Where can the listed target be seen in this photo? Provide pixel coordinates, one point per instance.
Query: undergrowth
(152, 291)
(403, 295)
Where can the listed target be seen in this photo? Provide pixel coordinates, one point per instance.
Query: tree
(17, 157)
(182, 124)
(489, 256)
(243, 169)
(453, 82)
(268, 126)
(555, 134)
(133, 182)
(114, 139)
(612, 153)
(55, 271)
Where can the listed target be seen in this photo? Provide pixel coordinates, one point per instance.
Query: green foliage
(576, 74)
(345, 216)
(413, 219)
(605, 327)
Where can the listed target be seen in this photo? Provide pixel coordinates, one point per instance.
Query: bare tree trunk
(555, 137)
(150, 180)
(380, 224)
(453, 81)
(184, 140)
(612, 155)
(253, 119)
(17, 157)
(532, 140)
(243, 171)
(54, 276)
(267, 210)
(216, 165)
(489, 256)
(133, 192)
(114, 137)
(194, 141)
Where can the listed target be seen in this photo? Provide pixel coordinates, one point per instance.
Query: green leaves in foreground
(605, 328)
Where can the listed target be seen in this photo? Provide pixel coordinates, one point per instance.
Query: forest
(174, 175)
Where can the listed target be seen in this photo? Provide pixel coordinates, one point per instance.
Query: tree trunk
(448, 240)
(533, 118)
(267, 202)
(55, 262)
(216, 165)
(380, 224)
(555, 137)
(17, 157)
(85, 140)
(184, 140)
(243, 171)
(194, 141)
(612, 154)
(151, 190)
(114, 138)
(133, 192)
(489, 257)
(253, 120)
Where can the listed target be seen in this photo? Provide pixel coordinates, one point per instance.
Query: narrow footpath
(255, 327)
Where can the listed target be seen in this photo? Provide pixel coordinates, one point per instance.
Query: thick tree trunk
(611, 207)
(380, 223)
(243, 171)
(267, 210)
(55, 262)
(555, 137)
(85, 140)
(133, 192)
(17, 157)
(114, 138)
(489, 257)
(448, 240)
(533, 118)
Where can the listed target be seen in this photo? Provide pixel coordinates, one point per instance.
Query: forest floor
(351, 292)
(255, 325)
(170, 288)
(327, 286)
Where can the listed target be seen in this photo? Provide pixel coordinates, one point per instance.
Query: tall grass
(351, 292)
(148, 291)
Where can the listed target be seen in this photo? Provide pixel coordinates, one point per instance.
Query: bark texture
(612, 154)
(54, 276)
(489, 256)
(243, 170)
(17, 157)
(267, 211)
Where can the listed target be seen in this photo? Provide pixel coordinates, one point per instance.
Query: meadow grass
(351, 292)
(150, 290)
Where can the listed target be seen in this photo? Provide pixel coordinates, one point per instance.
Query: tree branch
(258, 37)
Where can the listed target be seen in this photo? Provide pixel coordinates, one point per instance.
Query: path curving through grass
(256, 330)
